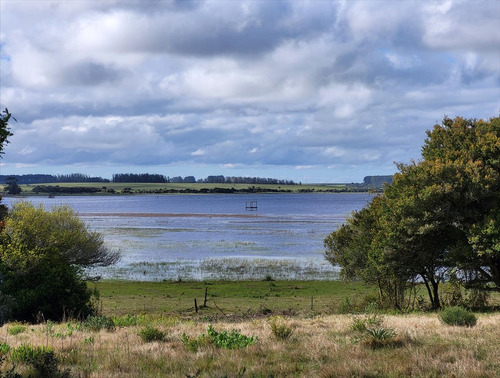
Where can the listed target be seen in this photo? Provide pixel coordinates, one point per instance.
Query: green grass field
(232, 298)
(241, 298)
(290, 339)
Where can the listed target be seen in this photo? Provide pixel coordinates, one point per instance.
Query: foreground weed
(192, 344)
(27, 353)
(16, 329)
(231, 340)
(42, 359)
(224, 339)
(67, 331)
(149, 334)
(458, 316)
(97, 323)
(128, 320)
(377, 338)
(4, 348)
(362, 324)
(358, 325)
(280, 329)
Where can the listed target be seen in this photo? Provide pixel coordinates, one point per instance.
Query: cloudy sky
(313, 91)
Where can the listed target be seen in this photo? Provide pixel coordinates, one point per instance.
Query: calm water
(201, 237)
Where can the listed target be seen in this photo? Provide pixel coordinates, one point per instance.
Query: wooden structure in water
(251, 205)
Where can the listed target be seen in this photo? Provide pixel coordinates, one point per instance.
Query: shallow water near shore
(207, 237)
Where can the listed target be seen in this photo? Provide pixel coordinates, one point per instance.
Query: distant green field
(229, 297)
(239, 298)
(153, 187)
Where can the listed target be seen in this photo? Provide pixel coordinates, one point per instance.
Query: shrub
(43, 255)
(96, 323)
(458, 316)
(42, 359)
(149, 334)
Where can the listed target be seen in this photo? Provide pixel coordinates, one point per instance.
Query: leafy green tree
(60, 229)
(465, 157)
(11, 186)
(439, 217)
(43, 257)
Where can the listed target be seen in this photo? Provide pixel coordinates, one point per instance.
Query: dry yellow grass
(324, 346)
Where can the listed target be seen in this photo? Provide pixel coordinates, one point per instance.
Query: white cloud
(266, 88)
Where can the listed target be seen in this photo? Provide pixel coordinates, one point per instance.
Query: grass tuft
(280, 329)
(149, 334)
(16, 329)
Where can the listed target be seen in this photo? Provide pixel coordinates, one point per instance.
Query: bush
(149, 334)
(42, 359)
(42, 257)
(47, 286)
(458, 316)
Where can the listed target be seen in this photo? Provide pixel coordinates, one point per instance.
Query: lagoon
(214, 236)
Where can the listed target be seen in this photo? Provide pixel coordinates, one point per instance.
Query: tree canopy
(43, 256)
(60, 229)
(439, 218)
(11, 186)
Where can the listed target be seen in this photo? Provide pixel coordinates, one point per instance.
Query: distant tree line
(79, 177)
(32, 179)
(140, 177)
(245, 180)
(218, 179)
